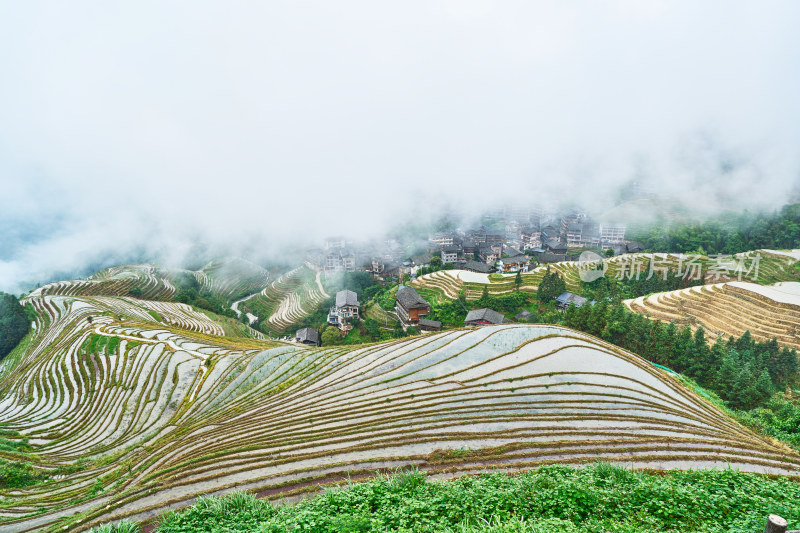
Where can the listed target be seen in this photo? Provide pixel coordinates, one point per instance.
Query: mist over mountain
(207, 130)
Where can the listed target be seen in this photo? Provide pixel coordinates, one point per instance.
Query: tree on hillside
(357, 281)
(551, 287)
(14, 324)
(518, 279)
(331, 336)
(136, 292)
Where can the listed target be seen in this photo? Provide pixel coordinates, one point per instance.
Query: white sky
(143, 125)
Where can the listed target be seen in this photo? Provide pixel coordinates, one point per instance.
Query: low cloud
(143, 130)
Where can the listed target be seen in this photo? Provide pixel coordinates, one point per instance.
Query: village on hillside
(507, 241)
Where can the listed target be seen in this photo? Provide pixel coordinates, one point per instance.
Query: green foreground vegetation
(550, 499)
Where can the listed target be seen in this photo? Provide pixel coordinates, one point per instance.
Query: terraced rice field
(731, 309)
(773, 267)
(289, 298)
(451, 282)
(232, 277)
(776, 266)
(229, 278)
(384, 318)
(171, 414)
(115, 281)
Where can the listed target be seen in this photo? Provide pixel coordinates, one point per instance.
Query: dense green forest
(728, 234)
(15, 322)
(550, 499)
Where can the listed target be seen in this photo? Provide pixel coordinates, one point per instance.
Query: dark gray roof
(307, 335)
(547, 257)
(410, 299)
(570, 298)
(421, 259)
(346, 298)
(478, 267)
(390, 269)
(430, 323)
(522, 258)
(485, 314)
(555, 244)
(633, 247)
(451, 249)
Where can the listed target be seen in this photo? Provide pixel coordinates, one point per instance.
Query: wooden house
(411, 306)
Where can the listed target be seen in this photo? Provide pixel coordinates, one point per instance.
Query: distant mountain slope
(115, 281)
(164, 414)
(232, 277)
(228, 278)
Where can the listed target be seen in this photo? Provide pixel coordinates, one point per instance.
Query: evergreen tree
(681, 349)
(786, 367)
(728, 372)
(743, 393)
(551, 286)
(570, 317)
(700, 366)
(597, 319)
(744, 343)
(763, 388)
(582, 316)
(615, 328)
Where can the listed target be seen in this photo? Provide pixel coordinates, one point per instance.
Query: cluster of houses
(527, 237)
(339, 255)
(411, 309)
